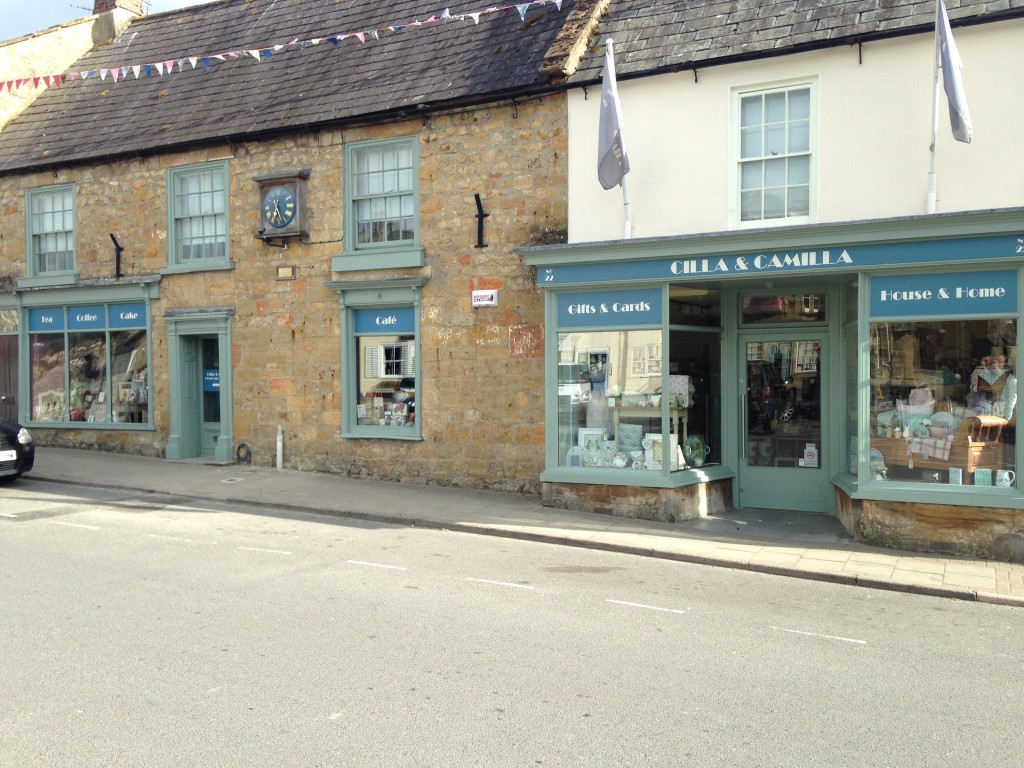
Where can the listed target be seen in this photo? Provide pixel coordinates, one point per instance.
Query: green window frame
(198, 223)
(380, 367)
(50, 230)
(775, 159)
(382, 208)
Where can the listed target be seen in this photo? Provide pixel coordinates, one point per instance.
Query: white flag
(952, 80)
(612, 161)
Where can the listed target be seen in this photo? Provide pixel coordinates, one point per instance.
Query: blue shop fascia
(842, 369)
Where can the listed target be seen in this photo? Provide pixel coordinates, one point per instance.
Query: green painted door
(191, 390)
(782, 464)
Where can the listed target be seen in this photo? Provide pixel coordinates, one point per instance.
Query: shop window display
(69, 369)
(612, 400)
(944, 402)
(387, 381)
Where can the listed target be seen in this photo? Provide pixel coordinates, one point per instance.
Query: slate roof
(666, 35)
(448, 61)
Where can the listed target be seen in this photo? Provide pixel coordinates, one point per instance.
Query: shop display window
(792, 308)
(96, 376)
(386, 381)
(944, 401)
(130, 381)
(49, 392)
(612, 401)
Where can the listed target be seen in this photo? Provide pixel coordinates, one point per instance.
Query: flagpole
(932, 181)
(628, 229)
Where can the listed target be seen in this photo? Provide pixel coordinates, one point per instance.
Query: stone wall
(481, 404)
(988, 532)
(668, 505)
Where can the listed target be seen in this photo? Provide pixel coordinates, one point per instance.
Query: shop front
(861, 370)
(77, 358)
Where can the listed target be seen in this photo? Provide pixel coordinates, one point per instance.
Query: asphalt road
(135, 631)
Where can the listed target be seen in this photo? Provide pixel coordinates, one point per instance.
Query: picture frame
(591, 438)
(654, 457)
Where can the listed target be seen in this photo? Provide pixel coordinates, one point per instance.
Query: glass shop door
(782, 465)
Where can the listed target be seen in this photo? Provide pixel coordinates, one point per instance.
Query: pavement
(793, 544)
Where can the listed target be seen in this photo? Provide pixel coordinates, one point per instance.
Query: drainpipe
(280, 447)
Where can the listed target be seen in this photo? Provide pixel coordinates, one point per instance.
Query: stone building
(222, 242)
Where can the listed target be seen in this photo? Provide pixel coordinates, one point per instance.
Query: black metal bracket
(480, 216)
(118, 250)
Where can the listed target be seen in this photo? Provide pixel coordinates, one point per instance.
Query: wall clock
(282, 205)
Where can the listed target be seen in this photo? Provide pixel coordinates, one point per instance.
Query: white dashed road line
(376, 565)
(501, 583)
(74, 525)
(648, 607)
(169, 538)
(271, 551)
(826, 637)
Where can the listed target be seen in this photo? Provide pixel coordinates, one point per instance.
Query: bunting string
(260, 54)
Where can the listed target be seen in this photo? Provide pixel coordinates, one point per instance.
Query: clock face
(279, 206)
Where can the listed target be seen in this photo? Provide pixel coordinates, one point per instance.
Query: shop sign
(211, 380)
(391, 320)
(128, 315)
(949, 294)
(818, 260)
(610, 308)
(87, 318)
(44, 320)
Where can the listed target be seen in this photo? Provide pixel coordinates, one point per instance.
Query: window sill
(352, 261)
(49, 281)
(200, 266)
(382, 433)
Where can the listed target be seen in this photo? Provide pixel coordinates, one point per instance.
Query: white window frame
(42, 227)
(213, 197)
(400, 364)
(737, 161)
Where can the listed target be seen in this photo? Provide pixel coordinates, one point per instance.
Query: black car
(770, 397)
(17, 451)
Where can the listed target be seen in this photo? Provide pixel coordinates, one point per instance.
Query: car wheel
(788, 411)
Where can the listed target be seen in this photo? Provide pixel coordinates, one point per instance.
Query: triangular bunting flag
(558, 4)
(475, 17)
(374, 34)
(181, 65)
(125, 71)
(206, 63)
(522, 11)
(446, 14)
(169, 66)
(159, 68)
(103, 74)
(136, 70)
(361, 36)
(35, 81)
(193, 60)
(114, 74)
(254, 54)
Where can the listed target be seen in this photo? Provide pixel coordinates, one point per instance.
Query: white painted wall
(873, 125)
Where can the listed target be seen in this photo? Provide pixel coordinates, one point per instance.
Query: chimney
(132, 6)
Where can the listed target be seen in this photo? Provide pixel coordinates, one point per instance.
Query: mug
(1005, 478)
